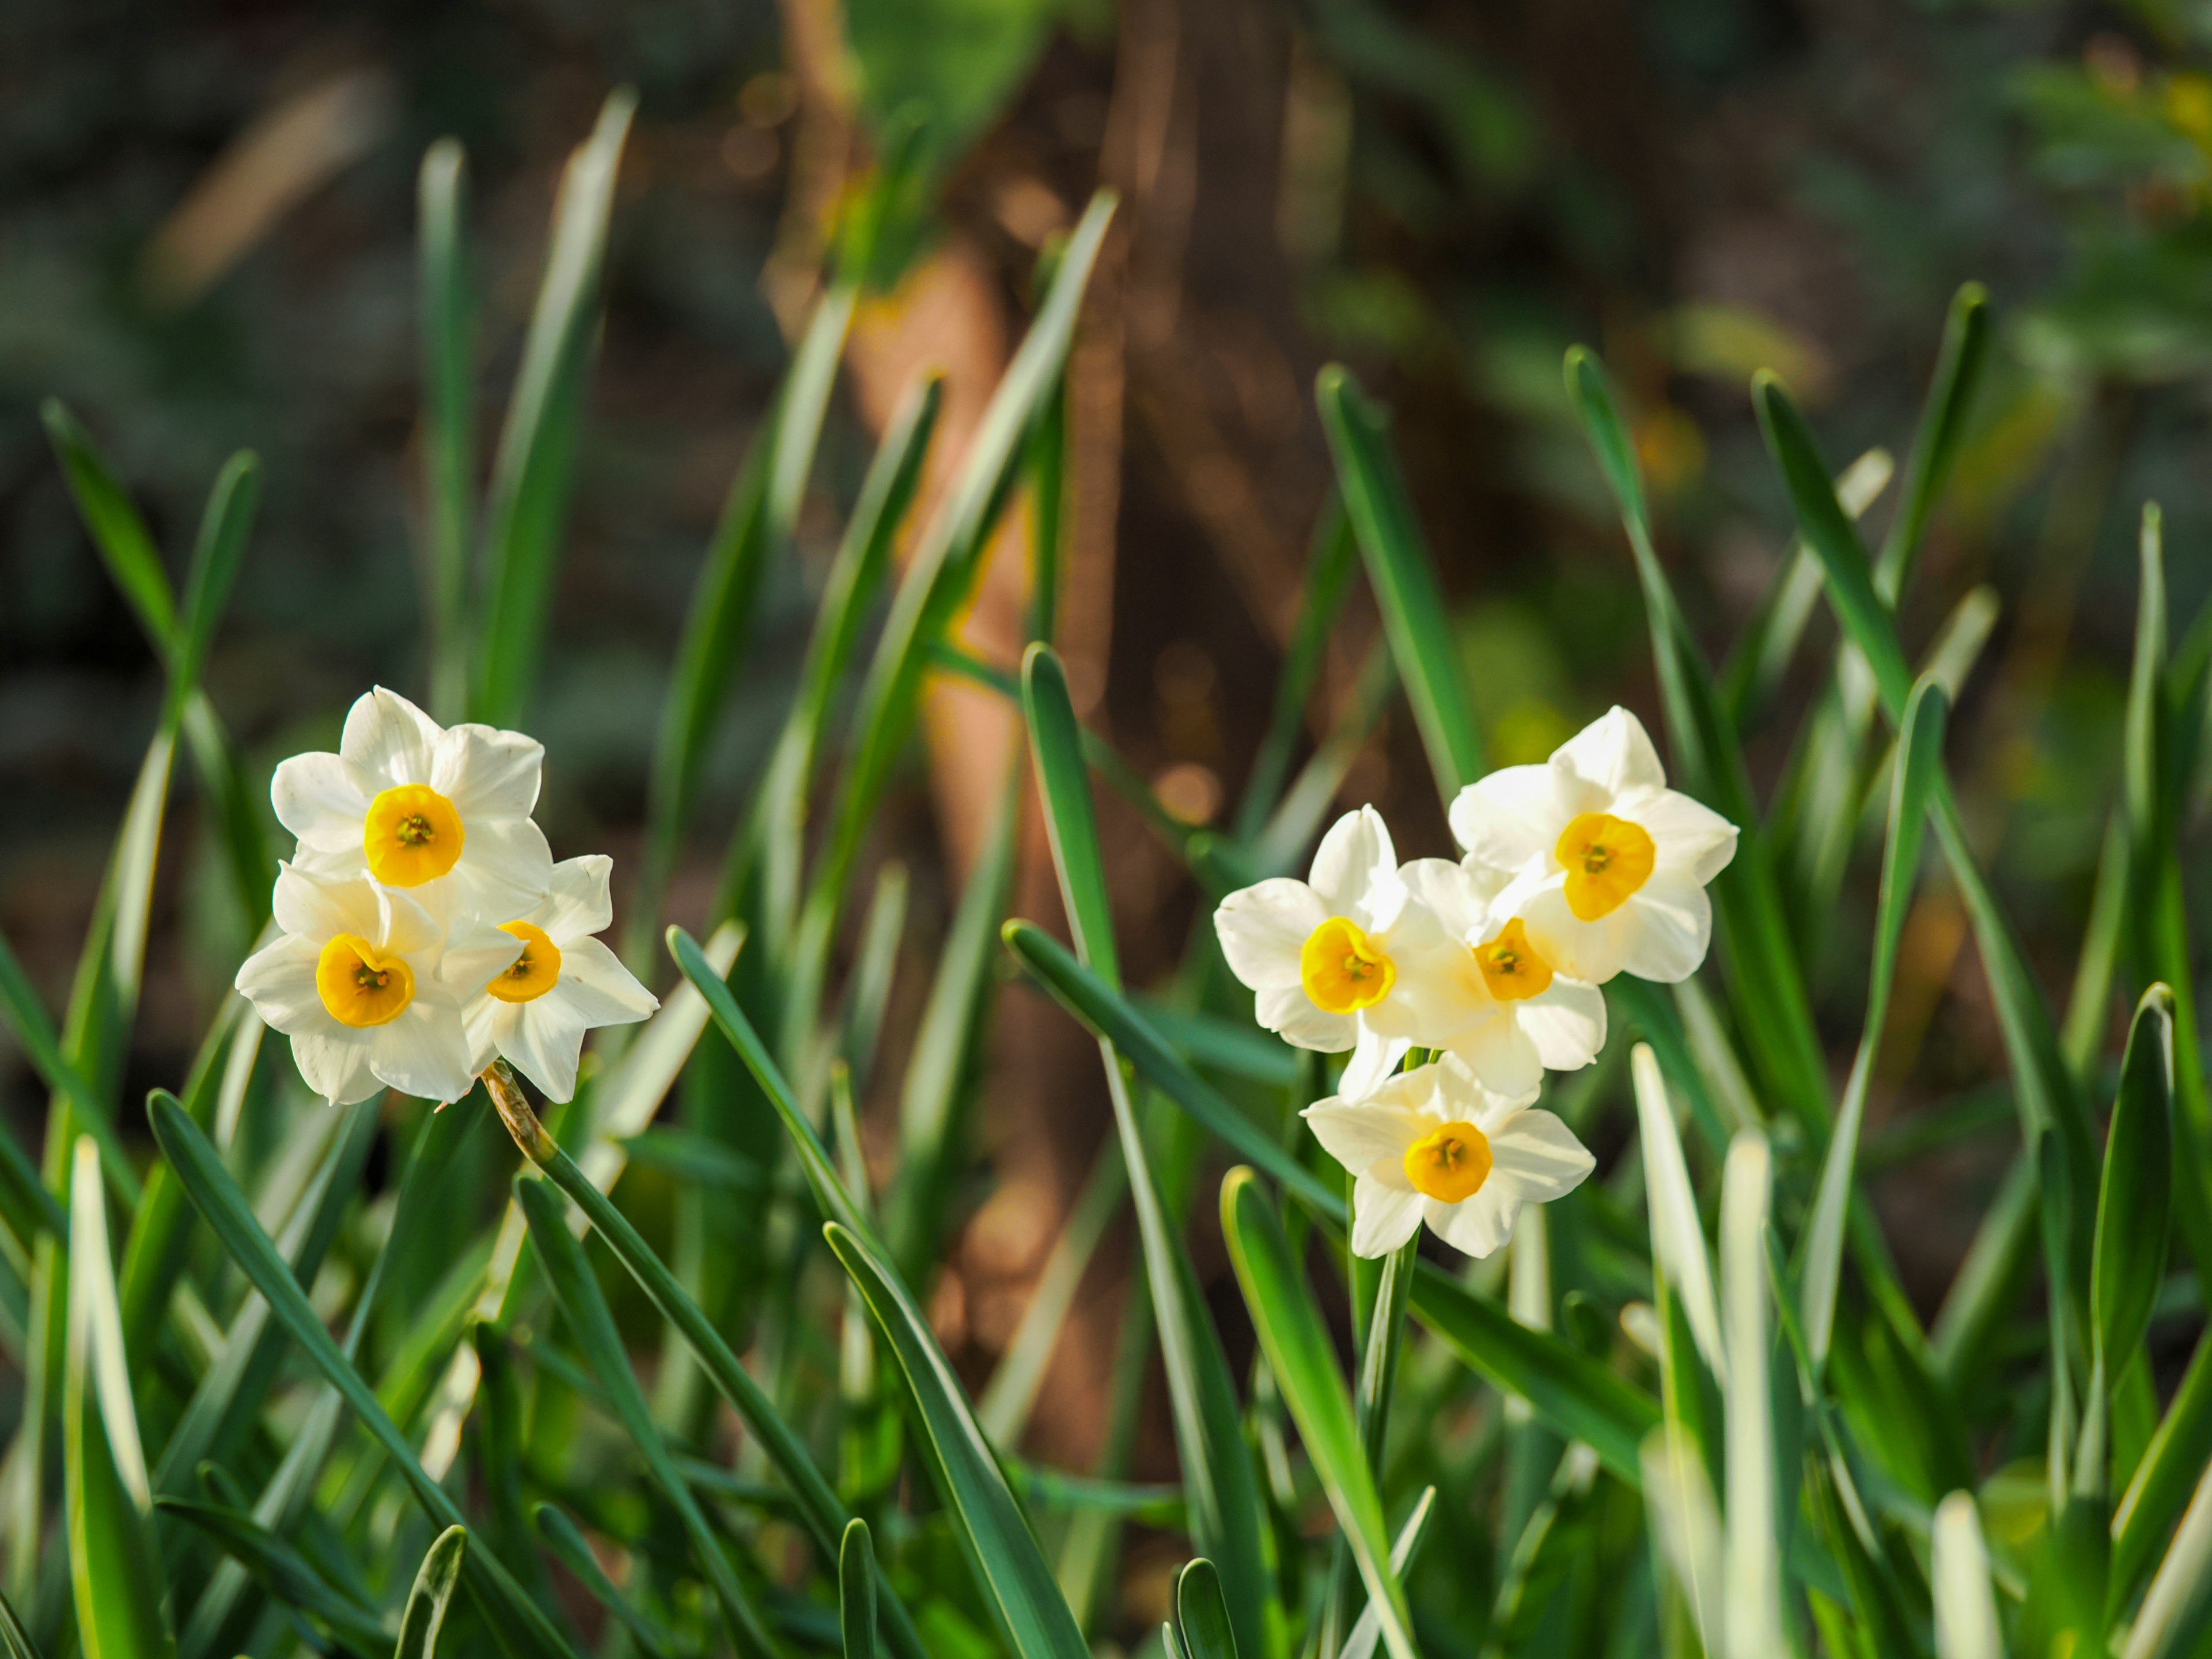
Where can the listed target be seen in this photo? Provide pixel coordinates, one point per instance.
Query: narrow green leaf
(584, 1310)
(448, 416)
(1762, 960)
(2163, 1479)
(1965, 1601)
(1218, 1483)
(1752, 1543)
(1942, 429)
(753, 531)
(1678, 1239)
(943, 566)
(824, 1516)
(433, 1593)
(216, 1197)
(1105, 1013)
(1404, 579)
(115, 1572)
(2135, 1199)
(1071, 826)
(1303, 1361)
(1920, 747)
(118, 533)
(534, 470)
(570, 1548)
(856, 1591)
(1202, 1613)
(1367, 1629)
(1010, 1571)
(14, 1641)
(285, 1573)
(2178, 1603)
(216, 555)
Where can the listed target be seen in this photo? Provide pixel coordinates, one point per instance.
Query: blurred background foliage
(206, 241)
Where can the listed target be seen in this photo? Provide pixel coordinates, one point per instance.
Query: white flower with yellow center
(535, 1011)
(1435, 1145)
(1607, 865)
(1486, 992)
(369, 982)
(408, 801)
(1326, 955)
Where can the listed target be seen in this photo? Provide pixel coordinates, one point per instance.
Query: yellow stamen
(1341, 969)
(360, 985)
(1449, 1165)
(1606, 859)
(1510, 966)
(533, 972)
(412, 835)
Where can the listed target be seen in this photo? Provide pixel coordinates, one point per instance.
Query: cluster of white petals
(1574, 871)
(425, 930)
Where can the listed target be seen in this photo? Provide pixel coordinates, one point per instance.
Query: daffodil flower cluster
(424, 928)
(1574, 871)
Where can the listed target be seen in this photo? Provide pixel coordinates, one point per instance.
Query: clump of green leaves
(481, 1414)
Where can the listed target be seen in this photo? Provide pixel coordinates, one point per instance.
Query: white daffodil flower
(1486, 992)
(368, 983)
(1435, 1145)
(1327, 955)
(409, 801)
(535, 1010)
(1607, 865)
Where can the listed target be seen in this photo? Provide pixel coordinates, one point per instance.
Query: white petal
(1355, 873)
(1673, 924)
(279, 980)
(315, 904)
(1383, 1217)
(1613, 754)
(1262, 929)
(545, 1044)
(1687, 835)
(598, 987)
(1438, 991)
(319, 798)
(1500, 1055)
(1537, 1156)
(578, 899)
(1567, 1023)
(423, 1053)
(488, 773)
(389, 740)
(1478, 1225)
(1359, 1136)
(411, 926)
(479, 955)
(1289, 1012)
(506, 865)
(1374, 1057)
(483, 1021)
(1459, 1093)
(335, 1063)
(1507, 819)
(1458, 896)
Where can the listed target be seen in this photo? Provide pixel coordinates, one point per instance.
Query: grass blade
(584, 1310)
(1303, 1361)
(1751, 1572)
(1011, 1573)
(1764, 972)
(1678, 1239)
(1965, 1601)
(115, 1572)
(2176, 1607)
(1920, 749)
(448, 416)
(226, 1213)
(284, 1572)
(118, 532)
(1404, 579)
(1935, 444)
(1218, 1483)
(1111, 1017)
(534, 469)
(2135, 1203)
(433, 1593)
(856, 1591)
(568, 1547)
(1202, 1613)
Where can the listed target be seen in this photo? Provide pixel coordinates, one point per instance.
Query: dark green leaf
(433, 1593)
(285, 1573)
(856, 1591)
(1202, 1613)
(2136, 1194)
